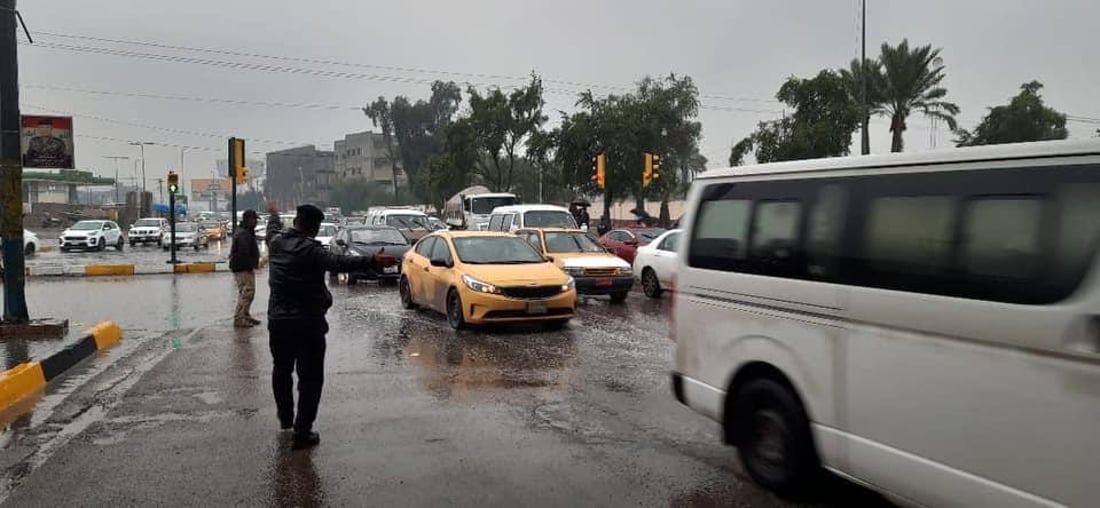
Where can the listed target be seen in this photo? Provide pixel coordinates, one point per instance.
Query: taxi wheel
(455, 318)
(406, 293)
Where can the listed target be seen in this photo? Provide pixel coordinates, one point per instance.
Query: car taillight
(385, 261)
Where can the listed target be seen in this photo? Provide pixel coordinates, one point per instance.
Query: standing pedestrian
(274, 225)
(296, 319)
(244, 258)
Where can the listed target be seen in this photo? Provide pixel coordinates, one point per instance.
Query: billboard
(47, 141)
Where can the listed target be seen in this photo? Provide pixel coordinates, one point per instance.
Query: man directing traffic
(296, 319)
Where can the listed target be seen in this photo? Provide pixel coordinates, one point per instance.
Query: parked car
(326, 234)
(385, 244)
(625, 242)
(188, 234)
(147, 230)
(656, 263)
(595, 270)
(91, 234)
(479, 277)
(30, 243)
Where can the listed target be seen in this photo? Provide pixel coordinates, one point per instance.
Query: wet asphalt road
(412, 414)
(140, 254)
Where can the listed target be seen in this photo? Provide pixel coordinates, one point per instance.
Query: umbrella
(581, 202)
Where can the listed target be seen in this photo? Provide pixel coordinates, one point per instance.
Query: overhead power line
(392, 68)
(211, 100)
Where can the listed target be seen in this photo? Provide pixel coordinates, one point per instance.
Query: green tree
(821, 125)
(418, 128)
(1024, 118)
(867, 92)
(503, 123)
(911, 82)
(380, 114)
(453, 169)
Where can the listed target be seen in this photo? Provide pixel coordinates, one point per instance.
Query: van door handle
(1086, 337)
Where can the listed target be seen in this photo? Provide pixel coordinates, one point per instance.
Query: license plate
(390, 269)
(603, 283)
(536, 308)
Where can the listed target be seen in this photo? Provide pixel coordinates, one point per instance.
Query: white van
(925, 324)
(515, 217)
(412, 222)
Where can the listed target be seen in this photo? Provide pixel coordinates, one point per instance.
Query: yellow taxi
(595, 270)
(482, 277)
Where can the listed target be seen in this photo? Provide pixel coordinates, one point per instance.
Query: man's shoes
(253, 320)
(303, 441)
(243, 324)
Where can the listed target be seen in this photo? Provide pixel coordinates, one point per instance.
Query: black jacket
(274, 228)
(297, 279)
(244, 254)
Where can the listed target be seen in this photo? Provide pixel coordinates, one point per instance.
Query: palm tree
(857, 89)
(911, 83)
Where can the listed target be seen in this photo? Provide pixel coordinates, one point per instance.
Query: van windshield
(548, 219)
(485, 206)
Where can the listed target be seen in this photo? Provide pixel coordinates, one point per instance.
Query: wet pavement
(145, 255)
(413, 413)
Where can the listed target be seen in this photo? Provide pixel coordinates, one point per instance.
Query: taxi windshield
(496, 250)
(571, 242)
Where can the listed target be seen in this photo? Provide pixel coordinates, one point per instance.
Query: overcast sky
(738, 52)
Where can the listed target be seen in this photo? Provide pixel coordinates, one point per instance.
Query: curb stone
(123, 269)
(27, 378)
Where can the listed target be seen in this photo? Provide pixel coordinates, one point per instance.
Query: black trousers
(297, 346)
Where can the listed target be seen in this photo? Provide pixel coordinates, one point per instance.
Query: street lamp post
(117, 158)
(141, 202)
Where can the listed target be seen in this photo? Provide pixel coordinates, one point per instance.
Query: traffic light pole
(11, 171)
(172, 226)
(233, 163)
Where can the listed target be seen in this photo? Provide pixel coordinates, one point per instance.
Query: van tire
(773, 439)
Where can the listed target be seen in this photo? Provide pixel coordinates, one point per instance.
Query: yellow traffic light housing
(242, 175)
(600, 170)
(173, 182)
(652, 165)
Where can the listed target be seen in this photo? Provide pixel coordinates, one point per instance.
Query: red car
(625, 242)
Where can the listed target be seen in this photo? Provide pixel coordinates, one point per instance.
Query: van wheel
(651, 286)
(773, 438)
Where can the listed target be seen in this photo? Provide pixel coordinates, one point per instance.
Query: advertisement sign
(47, 141)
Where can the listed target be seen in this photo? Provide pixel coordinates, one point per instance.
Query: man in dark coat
(244, 258)
(296, 318)
(274, 225)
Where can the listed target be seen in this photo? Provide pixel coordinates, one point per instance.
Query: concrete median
(29, 377)
(123, 269)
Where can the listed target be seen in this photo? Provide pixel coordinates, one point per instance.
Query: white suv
(148, 230)
(91, 234)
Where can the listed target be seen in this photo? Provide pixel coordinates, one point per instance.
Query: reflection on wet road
(413, 413)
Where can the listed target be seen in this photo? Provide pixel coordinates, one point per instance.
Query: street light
(141, 202)
(182, 149)
(937, 63)
(116, 158)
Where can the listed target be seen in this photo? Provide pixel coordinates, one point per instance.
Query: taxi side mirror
(440, 262)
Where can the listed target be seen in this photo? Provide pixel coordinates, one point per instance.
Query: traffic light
(242, 175)
(652, 165)
(236, 158)
(599, 174)
(173, 182)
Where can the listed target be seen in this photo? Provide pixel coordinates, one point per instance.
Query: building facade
(299, 175)
(210, 194)
(363, 155)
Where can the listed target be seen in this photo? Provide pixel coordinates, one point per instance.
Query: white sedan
(655, 263)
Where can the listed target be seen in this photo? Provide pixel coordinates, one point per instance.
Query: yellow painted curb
(20, 381)
(105, 334)
(92, 270)
(194, 268)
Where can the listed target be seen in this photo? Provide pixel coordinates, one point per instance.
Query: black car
(385, 244)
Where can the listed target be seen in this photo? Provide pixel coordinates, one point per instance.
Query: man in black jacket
(296, 319)
(244, 258)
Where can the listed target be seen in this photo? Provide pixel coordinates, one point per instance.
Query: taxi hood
(518, 274)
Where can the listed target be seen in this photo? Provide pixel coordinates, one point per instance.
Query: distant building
(257, 174)
(210, 194)
(299, 175)
(363, 155)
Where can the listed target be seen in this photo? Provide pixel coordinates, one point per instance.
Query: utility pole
(117, 187)
(141, 202)
(160, 188)
(11, 170)
(865, 137)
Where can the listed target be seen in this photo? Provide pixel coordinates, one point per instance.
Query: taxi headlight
(569, 283)
(477, 285)
(626, 271)
(574, 270)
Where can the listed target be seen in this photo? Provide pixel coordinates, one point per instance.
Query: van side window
(507, 223)
(1001, 237)
(1078, 232)
(825, 230)
(494, 222)
(721, 230)
(775, 238)
(909, 236)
